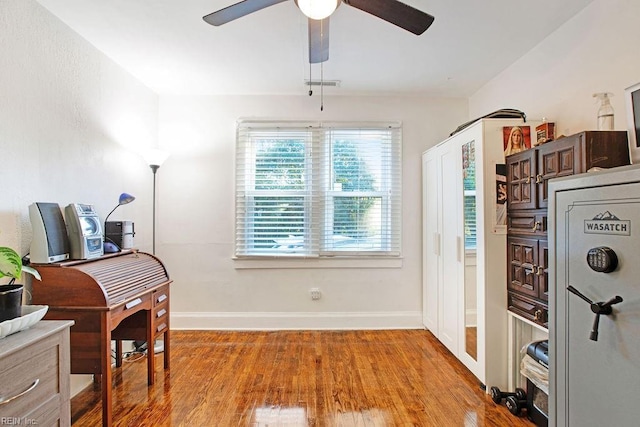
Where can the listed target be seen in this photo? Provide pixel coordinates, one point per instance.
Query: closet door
(448, 315)
(431, 251)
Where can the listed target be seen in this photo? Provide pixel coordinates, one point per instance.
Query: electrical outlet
(315, 293)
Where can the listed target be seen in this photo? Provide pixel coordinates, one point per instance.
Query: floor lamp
(154, 158)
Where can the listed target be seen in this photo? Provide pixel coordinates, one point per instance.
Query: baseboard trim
(295, 321)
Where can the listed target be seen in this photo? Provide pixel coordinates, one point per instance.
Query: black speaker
(121, 233)
(50, 241)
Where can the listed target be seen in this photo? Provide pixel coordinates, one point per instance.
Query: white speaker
(85, 231)
(50, 242)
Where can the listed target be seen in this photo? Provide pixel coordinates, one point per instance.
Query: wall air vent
(325, 83)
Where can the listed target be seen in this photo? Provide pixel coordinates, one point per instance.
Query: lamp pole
(154, 158)
(154, 169)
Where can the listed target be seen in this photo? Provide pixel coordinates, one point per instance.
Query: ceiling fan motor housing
(317, 9)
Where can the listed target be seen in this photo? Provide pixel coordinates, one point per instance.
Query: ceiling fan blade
(318, 40)
(395, 12)
(238, 10)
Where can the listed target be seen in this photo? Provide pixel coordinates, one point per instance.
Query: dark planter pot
(10, 302)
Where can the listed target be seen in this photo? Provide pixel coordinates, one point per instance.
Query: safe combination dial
(602, 259)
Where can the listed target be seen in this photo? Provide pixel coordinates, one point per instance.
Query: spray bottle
(605, 112)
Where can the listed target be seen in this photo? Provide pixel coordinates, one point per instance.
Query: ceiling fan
(318, 12)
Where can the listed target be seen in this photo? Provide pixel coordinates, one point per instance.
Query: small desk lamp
(110, 247)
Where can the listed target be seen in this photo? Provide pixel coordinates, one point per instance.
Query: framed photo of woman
(516, 139)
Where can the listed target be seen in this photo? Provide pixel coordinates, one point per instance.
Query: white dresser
(35, 374)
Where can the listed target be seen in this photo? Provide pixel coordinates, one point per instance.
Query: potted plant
(11, 294)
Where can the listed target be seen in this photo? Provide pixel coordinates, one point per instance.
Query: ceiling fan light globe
(317, 9)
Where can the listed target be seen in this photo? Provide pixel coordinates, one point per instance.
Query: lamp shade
(125, 198)
(318, 9)
(155, 157)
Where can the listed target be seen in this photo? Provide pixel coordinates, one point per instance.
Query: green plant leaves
(11, 264)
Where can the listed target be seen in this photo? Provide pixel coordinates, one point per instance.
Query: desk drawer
(142, 302)
(161, 318)
(161, 310)
(161, 296)
(29, 378)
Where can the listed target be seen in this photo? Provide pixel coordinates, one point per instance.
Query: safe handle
(598, 308)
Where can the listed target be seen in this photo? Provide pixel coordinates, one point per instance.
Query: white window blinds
(318, 189)
(469, 187)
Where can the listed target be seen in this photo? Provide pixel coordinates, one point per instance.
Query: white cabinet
(441, 240)
(464, 249)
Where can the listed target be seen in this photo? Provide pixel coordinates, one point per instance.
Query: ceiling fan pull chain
(322, 67)
(322, 86)
(310, 81)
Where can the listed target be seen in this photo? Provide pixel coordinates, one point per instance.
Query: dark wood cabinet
(527, 268)
(528, 175)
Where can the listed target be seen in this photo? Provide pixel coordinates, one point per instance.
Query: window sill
(307, 263)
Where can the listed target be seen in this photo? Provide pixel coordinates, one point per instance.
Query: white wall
(596, 51)
(196, 219)
(69, 119)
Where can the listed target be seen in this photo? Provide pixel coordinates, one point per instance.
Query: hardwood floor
(299, 378)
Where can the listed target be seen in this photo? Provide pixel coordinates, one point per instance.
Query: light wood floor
(308, 378)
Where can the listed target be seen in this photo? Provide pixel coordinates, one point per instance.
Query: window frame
(318, 219)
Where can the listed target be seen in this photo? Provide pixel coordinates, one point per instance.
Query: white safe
(594, 305)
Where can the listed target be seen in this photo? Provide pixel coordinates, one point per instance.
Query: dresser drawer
(29, 378)
(47, 414)
(528, 308)
(528, 223)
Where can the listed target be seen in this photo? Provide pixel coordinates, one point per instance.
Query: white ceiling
(167, 45)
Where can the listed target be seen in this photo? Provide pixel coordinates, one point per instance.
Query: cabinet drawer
(47, 414)
(528, 308)
(161, 296)
(528, 223)
(31, 377)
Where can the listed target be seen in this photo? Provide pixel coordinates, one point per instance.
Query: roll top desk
(122, 296)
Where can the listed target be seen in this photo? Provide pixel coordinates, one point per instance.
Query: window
(318, 189)
(469, 189)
